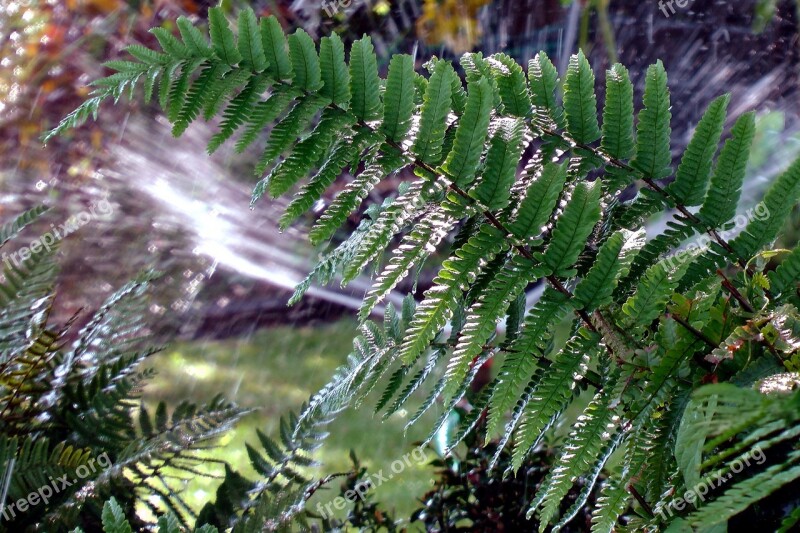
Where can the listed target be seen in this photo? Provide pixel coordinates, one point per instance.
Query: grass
(274, 372)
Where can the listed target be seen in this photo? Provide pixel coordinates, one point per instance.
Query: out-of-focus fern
(646, 323)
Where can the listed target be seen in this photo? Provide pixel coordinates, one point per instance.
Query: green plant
(647, 328)
(72, 432)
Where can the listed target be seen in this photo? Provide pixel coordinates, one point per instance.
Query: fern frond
(653, 155)
(335, 76)
(505, 149)
(239, 111)
(544, 83)
(433, 114)
(482, 317)
(251, 47)
(387, 162)
(582, 452)
(441, 299)
(550, 396)
(613, 262)
(781, 197)
(306, 154)
(522, 356)
(194, 40)
(263, 113)
(408, 206)
(398, 101)
(414, 247)
(572, 229)
(740, 496)
(11, 229)
(540, 199)
(273, 43)
(726, 182)
(691, 180)
(617, 136)
(222, 38)
(287, 131)
(344, 152)
(512, 85)
(305, 62)
(462, 162)
(364, 81)
(783, 280)
(580, 102)
(652, 294)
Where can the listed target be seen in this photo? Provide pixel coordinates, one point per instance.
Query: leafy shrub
(649, 330)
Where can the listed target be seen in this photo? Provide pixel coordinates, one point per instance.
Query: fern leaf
(389, 162)
(197, 95)
(305, 155)
(239, 110)
(551, 395)
(544, 82)
(250, 45)
(417, 245)
(172, 47)
(265, 112)
(221, 85)
(462, 162)
(405, 208)
(512, 85)
(613, 262)
(477, 68)
(273, 42)
(113, 517)
(10, 230)
(611, 503)
(505, 149)
(582, 452)
(677, 232)
(288, 130)
(222, 38)
(726, 183)
(433, 116)
(520, 362)
(415, 382)
(305, 62)
(440, 300)
(364, 81)
(540, 199)
(783, 280)
(482, 317)
(742, 495)
(398, 101)
(342, 155)
(653, 155)
(179, 89)
(651, 295)
(691, 181)
(193, 38)
(335, 76)
(617, 140)
(781, 197)
(580, 102)
(573, 229)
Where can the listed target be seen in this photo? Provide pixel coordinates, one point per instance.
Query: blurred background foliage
(227, 273)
